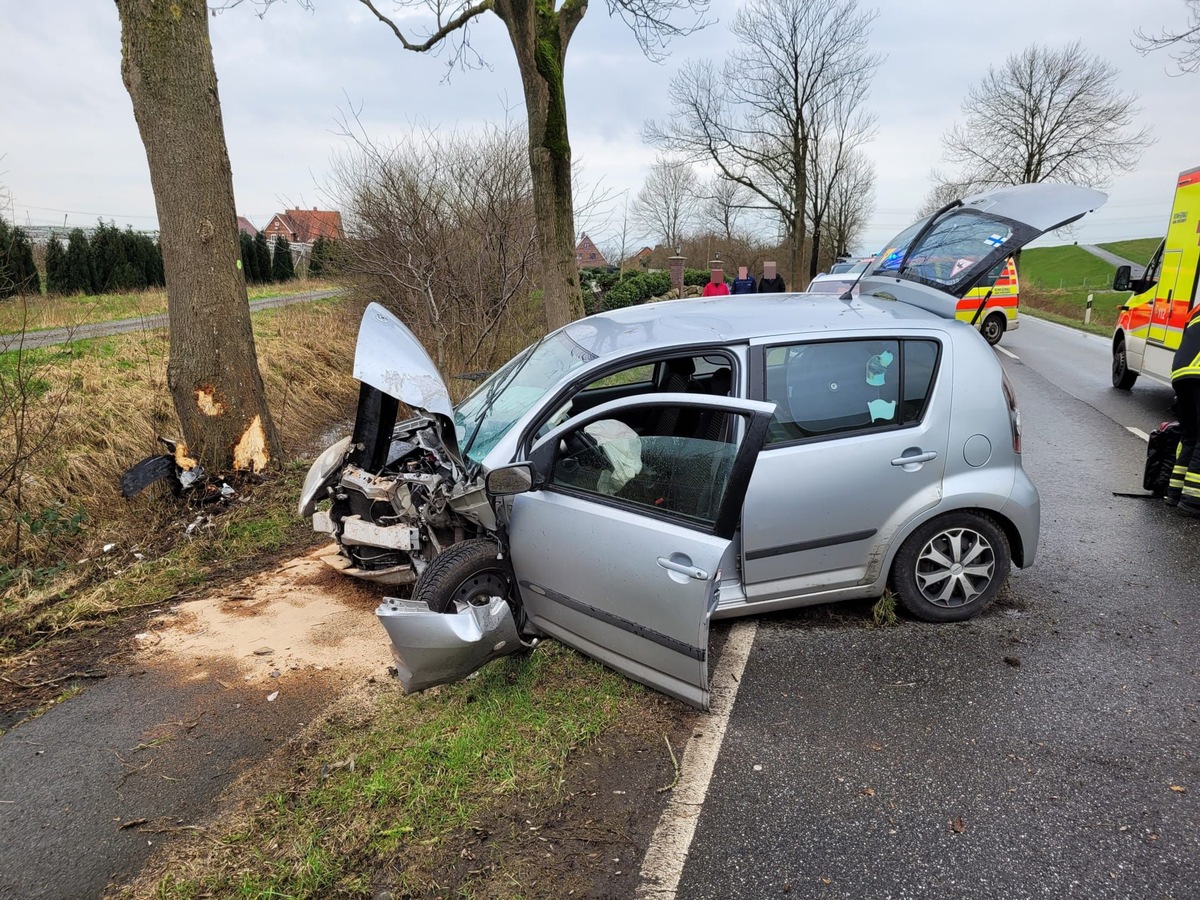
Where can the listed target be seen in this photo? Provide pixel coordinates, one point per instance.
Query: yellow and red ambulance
(1151, 322)
(1000, 313)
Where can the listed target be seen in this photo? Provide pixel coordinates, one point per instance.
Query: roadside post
(1087, 312)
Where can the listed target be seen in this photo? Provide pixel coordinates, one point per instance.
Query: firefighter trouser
(1185, 477)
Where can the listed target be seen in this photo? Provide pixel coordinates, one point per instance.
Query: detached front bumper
(439, 648)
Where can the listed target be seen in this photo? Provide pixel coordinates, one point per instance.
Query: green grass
(386, 789)
(1063, 267)
(1137, 250)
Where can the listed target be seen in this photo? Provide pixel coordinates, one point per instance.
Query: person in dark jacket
(1184, 489)
(744, 283)
(772, 281)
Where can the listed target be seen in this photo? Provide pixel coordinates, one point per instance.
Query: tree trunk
(539, 36)
(814, 261)
(213, 373)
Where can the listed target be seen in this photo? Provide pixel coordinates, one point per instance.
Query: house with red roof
(303, 226)
(587, 254)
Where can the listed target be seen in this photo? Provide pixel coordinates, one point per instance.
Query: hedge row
(631, 288)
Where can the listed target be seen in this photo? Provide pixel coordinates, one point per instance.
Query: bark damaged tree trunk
(213, 375)
(540, 35)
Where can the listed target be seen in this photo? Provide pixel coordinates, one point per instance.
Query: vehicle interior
(673, 460)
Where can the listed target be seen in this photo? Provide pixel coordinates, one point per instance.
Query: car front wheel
(1122, 377)
(469, 573)
(951, 568)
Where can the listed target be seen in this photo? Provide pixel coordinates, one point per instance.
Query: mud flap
(141, 475)
(439, 648)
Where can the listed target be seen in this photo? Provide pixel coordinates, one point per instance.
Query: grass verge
(383, 789)
(1068, 307)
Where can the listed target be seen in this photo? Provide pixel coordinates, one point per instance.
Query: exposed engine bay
(396, 495)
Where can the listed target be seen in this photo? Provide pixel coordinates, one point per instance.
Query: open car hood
(936, 261)
(389, 357)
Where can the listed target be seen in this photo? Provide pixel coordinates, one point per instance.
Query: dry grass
(114, 403)
(36, 313)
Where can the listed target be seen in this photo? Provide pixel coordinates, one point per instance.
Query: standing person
(1184, 489)
(716, 286)
(772, 281)
(744, 283)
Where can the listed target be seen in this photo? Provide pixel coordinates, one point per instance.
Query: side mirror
(514, 479)
(1122, 280)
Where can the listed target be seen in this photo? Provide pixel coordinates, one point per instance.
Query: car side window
(680, 475)
(838, 387)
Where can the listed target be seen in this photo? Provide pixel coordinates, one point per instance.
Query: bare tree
(725, 202)
(851, 202)
(667, 203)
(442, 228)
(1184, 41)
(839, 130)
(1046, 115)
(540, 32)
(213, 374)
(756, 120)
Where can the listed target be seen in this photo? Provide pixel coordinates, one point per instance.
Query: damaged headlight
(323, 468)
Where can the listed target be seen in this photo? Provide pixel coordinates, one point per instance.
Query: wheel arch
(1012, 534)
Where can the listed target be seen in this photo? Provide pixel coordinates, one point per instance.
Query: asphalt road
(1048, 749)
(51, 336)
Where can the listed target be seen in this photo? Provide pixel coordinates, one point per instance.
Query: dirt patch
(300, 617)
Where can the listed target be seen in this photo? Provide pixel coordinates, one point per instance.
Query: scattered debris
(675, 764)
(1013, 661)
(271, 696)
(957, 825)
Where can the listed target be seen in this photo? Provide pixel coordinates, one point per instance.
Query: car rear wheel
(469, 573)
(1122, 377)
(993, 328)
(951, 568)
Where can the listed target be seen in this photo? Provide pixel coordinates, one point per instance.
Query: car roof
(726, 320)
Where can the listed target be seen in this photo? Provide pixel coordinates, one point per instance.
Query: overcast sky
(71, 152)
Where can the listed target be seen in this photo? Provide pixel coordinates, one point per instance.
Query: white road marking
(663, 865)
(1008, 353)
(1138, 432)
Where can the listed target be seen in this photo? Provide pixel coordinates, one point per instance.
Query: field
(1137, 250)
(83, 309)
(1068, 266)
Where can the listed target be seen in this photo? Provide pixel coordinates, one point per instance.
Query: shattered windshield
(512, 391)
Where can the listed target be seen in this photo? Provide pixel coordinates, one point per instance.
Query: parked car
(638, 473)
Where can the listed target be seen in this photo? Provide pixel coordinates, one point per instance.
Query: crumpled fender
(438, 648)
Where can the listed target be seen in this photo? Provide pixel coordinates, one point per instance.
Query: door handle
(927, 456)
(682, 568)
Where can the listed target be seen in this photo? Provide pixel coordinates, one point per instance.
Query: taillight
(1014, 414)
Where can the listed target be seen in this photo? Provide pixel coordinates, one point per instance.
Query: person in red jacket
(716, 286)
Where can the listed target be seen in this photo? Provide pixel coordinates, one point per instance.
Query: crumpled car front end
(432, 648)
(394, 494)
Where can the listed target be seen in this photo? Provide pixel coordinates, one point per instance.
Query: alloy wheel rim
(955, 567)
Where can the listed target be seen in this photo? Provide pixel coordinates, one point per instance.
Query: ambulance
(1151, 322)
(1000, 313)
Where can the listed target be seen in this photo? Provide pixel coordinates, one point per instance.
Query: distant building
(303, 226)
(247, 226)
(588, 255)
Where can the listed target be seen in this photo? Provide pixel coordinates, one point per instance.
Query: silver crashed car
(637, 473)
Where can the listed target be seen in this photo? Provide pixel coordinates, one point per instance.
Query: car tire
(467, 573)
(924, 577)
(1122, 377)
(993, 328)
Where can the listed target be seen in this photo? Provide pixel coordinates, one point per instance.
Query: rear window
(828, 388)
